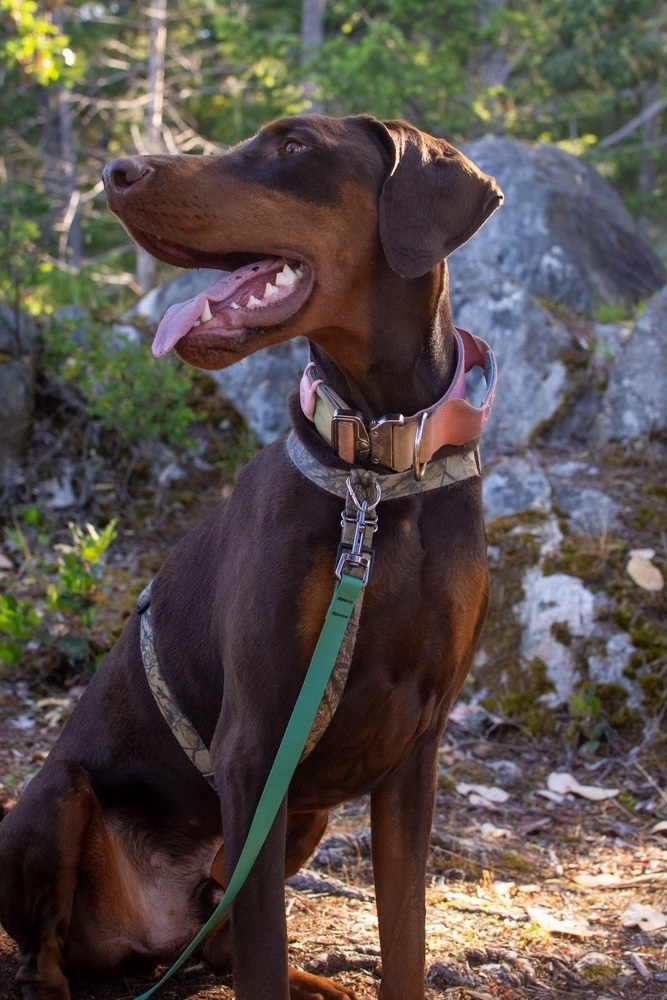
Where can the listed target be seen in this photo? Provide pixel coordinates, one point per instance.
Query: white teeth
(206, 313)
(286, 277)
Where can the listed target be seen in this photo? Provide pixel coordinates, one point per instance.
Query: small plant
(79, 570)
(19, 622)
(67, 578)
(588, 722)
(124, 389)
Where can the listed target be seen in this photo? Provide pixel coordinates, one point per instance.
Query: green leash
(340, 611)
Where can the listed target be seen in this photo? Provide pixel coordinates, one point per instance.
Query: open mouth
(258, 292)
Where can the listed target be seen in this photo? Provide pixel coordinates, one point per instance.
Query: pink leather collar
(395, 441)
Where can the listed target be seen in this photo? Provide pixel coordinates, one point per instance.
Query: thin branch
(646, 115)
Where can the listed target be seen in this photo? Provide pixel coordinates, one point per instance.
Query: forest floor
(526, 898)
(542, 897)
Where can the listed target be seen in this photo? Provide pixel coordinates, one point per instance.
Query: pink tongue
(180, 318)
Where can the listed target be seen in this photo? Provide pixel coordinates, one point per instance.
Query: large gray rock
(549, 521)
(563, 232)
(259, 385)
(152, 306)
(18, 341)
(528, 343)
(634, 404)
(515, 485)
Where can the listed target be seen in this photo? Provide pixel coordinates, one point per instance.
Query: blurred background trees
(83, 82)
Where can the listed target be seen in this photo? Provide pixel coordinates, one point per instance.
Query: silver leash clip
(355, 552)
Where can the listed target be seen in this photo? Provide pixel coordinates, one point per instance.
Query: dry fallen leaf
(490, 832)
(561, 783)
(573, 926)
(643, 572)
(602, 880)
(486, 793)
(648, 918)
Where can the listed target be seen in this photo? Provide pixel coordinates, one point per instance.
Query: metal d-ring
(369, 506)
(419, 468)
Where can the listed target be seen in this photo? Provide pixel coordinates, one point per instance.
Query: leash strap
(342, 606)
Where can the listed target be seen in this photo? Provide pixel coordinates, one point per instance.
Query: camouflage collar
(438, 473)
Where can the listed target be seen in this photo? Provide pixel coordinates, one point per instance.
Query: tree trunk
(312, 38)
(155, 76)
(651, 129)
(58, 149)
(145, 269)
(71, 237)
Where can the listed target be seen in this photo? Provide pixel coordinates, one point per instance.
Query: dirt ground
(527, 897)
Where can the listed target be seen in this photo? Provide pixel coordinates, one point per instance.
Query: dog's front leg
(257, 916)
(401, 817)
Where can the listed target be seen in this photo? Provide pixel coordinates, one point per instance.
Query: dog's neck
(421, 363)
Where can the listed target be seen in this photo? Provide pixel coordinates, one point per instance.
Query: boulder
(528, 342)
(258, 386)
(566, 619)
(634, 403)
(514, 486)
(563, 233)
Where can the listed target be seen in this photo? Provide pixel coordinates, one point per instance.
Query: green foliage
(68, 581)
(18, 623)
(403, 60)
(79, 567)
(587, 720)
(20, 257)
(29, 40)
(124, 389)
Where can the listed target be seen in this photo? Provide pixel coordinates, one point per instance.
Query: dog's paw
(304, 986)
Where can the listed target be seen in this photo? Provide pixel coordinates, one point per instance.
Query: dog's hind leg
(40, 856)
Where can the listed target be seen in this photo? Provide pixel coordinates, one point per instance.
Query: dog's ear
(433, 200)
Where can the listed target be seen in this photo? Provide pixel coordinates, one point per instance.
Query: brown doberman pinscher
(337, 230)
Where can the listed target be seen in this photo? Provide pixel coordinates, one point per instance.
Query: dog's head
(300, 218)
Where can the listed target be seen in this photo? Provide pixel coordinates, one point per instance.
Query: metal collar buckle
(351, 420)
(382, 439)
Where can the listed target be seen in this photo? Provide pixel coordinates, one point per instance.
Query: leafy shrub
(79, 569)
(68, 581)
(125, 390)
(19, 622)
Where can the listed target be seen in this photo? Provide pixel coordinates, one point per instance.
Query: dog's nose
(120, 175)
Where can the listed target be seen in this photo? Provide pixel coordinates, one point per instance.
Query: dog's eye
(291, 147)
